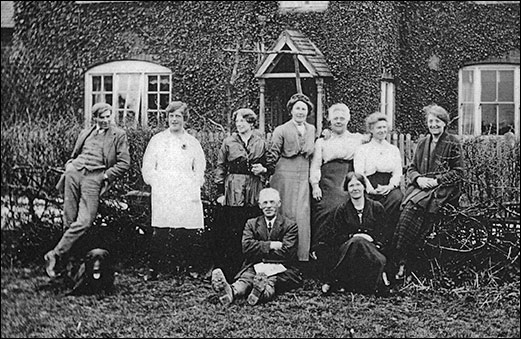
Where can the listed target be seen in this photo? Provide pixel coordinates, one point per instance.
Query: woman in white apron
(173, 165)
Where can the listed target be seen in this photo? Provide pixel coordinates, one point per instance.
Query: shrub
(32, 205)
(491, 169)
(32, 224)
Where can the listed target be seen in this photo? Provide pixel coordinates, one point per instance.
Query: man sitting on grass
(269, 244)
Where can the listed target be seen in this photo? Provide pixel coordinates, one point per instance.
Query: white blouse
(336, 147)
(379, 157)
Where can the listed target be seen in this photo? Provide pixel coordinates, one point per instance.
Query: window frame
(302, 6)
(121, 67)
(387, 100)
(476, 112)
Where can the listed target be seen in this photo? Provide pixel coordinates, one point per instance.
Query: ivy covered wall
(422, 43)
(437, 38)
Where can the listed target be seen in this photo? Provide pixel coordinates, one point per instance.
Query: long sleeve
(453, 161)
(148, 169)
(413, 170)
(289, 243)
(397, 172)
(221, 171)
(341, 226)
(316, 163)
(378, 222)
(274, 149)
(122, 157)
(199, 164)
(360, 165)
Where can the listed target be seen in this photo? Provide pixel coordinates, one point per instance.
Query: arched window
(489, 99)
(139, 91)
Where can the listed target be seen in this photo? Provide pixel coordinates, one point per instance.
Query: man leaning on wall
(100, 156)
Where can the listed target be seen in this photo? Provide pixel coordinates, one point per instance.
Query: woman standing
(331, 161)
(240, 175)
(288, 158)
(434, 177)
(352, 242)
(173, 165)
(381, 164)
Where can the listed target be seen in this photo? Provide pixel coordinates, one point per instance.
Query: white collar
(376, 143)
(272, 221)
(303, 125)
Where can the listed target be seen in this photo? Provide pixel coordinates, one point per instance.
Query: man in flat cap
(100, 156)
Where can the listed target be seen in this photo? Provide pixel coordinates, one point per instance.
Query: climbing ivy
(57, 41)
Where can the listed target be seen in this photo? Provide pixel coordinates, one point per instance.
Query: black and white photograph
(260, 169)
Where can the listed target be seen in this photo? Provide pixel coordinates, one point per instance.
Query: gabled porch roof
(293, 42)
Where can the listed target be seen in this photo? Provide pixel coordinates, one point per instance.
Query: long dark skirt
(391, 202)
(360, 266)
(333, 194)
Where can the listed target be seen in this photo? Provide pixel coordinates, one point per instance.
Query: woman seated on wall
(349, 246)
(434, 177)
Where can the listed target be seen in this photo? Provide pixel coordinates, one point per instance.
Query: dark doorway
(278, 92)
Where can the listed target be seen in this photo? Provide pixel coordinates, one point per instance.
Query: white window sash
(138, 96)
(478, 103)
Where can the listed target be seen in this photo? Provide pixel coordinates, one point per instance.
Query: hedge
(31, 150)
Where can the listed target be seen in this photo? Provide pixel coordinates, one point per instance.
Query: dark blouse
(345, 222)
(233, 171)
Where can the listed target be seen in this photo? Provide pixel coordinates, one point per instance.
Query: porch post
(262, 118)
(320, 94)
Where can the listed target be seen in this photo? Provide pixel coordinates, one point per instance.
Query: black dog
(93, 275)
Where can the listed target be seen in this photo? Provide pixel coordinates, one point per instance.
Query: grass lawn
(172, 307)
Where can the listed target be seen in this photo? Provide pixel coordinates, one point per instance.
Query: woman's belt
(240, 172)
(341, 161)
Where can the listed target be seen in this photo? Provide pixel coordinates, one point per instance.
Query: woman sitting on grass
(349, 245)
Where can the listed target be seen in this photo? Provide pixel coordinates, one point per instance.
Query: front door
(278, 92)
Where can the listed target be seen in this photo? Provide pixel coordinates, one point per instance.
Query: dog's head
(96, 274)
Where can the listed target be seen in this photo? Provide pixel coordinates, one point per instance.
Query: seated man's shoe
(385, 279)
(151, 275)
(401, 272)
(259, 285)
(51, 258)
(221, 287)
(326, 289)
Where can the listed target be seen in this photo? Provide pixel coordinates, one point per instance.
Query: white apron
(174, 168)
